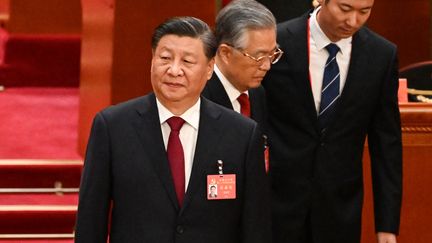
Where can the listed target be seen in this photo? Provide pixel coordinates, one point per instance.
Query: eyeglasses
(273, 58)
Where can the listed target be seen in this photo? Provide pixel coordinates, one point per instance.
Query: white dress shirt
(232, 92)
(188, 133)
(318, 56)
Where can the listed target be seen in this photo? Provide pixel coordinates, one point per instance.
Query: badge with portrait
(221, 186)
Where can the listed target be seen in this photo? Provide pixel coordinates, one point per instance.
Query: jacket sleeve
(385, 147)
(94, 196)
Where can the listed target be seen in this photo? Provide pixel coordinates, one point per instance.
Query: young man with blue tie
(336, 84)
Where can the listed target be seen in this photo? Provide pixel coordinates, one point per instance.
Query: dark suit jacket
(215, 92)
(317, 175)
(126, 165)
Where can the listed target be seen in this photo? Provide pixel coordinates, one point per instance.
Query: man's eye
(345, 9)
(365, 11)
(188, 61)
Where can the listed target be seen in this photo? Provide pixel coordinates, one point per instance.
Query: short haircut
(189, 27)
(240, 16)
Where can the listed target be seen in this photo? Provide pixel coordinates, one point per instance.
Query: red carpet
(39, 123)
(40, 173)
(38, 199)
(37, 213)
(40, 60)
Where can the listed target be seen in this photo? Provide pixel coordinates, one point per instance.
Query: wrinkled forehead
(184, 44)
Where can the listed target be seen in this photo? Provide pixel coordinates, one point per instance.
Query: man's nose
(353, 19)
(175, 69)
(266, 65)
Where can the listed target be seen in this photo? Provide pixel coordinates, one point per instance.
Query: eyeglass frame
(259, 59)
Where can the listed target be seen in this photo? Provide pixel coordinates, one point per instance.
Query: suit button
(323, 131)
(322, 144)
(180, 229)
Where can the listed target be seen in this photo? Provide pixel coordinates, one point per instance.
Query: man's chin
(172, 97)
(256, 83)
(346, 34)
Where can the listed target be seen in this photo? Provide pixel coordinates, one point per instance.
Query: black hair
(190, 27)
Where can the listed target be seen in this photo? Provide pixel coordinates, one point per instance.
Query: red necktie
(176, 157)
(243, 99)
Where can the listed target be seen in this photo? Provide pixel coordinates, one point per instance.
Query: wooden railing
(416, 219)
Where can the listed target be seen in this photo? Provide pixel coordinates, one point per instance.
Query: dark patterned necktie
(330, 87)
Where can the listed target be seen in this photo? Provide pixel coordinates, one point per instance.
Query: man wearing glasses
(246, 35)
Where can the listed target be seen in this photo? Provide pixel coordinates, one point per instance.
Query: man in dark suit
(336, 84)
(146, 179)
(246, 35)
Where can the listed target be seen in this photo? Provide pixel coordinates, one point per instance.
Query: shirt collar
(232, 92)
(320, 39)
(191, 116)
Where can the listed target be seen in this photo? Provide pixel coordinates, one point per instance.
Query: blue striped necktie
(330, 87)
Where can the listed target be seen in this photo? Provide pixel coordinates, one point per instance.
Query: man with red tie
(151, 162)
(246, 35)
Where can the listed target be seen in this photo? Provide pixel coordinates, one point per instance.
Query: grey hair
(240, 16)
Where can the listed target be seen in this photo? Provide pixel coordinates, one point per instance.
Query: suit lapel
(217, 92)
(148, 128)
(359, 58)
(300, 60)
(208, 135)
(256, 101)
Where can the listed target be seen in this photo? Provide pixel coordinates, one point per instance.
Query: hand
(384, 237)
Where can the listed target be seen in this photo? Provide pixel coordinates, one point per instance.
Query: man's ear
(210, 68)
(224, 52)
(151, 62)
